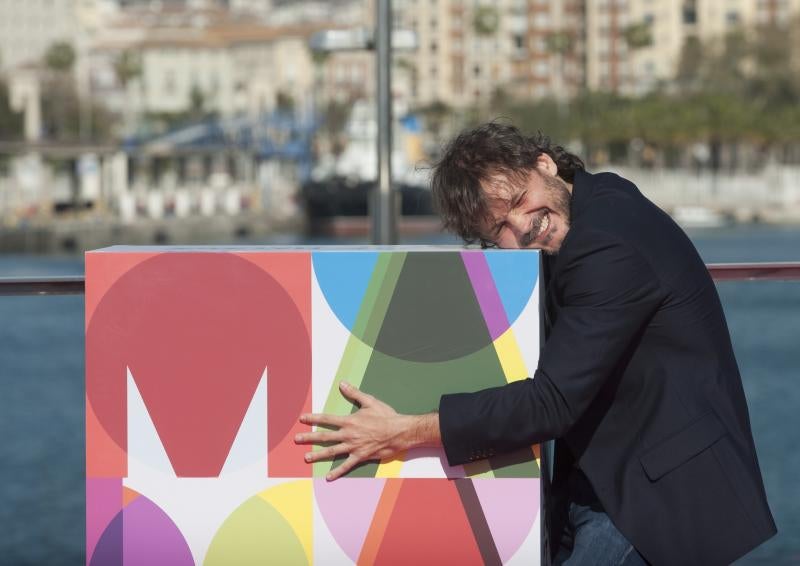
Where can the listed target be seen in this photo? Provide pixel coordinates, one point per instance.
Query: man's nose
(519, 224)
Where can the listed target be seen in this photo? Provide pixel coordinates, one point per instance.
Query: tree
(560, 42)
(60, 57)
(690, 64)
(60, 104)
(335, 121)
(486, 20)
(284, 102)
(127, 66)
(197, 102)
(639, 35)
(10, 122)
(435, 116)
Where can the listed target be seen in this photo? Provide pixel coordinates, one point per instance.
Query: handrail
(777, 271)
(75, 284)
(49, 285)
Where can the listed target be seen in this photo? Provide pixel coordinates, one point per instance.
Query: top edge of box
(289, 249)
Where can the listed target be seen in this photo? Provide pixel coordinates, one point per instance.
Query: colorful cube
(200, 360)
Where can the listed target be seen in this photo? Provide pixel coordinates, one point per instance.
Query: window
(542, 68)
(542, 19)
(169, 85)
(689, 13)
(541, 44)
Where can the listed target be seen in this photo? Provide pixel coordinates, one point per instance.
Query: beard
(560, 200)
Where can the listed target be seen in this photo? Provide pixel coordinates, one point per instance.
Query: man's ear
(546, 166)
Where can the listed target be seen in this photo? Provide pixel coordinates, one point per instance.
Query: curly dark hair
(477, 156)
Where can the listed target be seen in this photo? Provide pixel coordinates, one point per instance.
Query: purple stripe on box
(486, 292)
(103, 503)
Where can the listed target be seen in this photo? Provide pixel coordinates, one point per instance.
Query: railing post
(383, 214)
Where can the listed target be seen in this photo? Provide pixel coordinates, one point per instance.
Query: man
(655, 460)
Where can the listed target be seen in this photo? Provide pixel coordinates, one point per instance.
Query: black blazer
(639, 379)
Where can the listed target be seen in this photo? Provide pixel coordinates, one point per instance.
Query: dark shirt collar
(582, 188)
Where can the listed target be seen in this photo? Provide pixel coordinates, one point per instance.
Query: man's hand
(374, 432)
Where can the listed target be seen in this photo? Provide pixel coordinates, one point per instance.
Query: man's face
(533, 214)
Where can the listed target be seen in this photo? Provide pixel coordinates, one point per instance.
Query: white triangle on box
(249, 448)
(144, 445)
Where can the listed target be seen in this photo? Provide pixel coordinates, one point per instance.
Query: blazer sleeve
(608, 294)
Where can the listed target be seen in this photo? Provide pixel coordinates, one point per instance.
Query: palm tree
(60, 57)
(62, 108)
(486, 20)
(639, 35)
(561, 43)
(128, 68)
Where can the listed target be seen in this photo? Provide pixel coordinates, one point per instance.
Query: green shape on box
(255, 533)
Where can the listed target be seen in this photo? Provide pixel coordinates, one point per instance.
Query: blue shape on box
(344, 278)
(514, 279)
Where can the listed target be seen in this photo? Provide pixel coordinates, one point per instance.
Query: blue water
(41, 398)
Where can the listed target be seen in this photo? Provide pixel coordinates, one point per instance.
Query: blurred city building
(633, 46)
(250, 55)
(469, 51)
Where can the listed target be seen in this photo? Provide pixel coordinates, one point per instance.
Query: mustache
(536, 225)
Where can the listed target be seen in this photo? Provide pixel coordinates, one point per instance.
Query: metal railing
(75, 285)
(52, 285)
(781, 271)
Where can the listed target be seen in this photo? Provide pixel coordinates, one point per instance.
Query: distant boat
(338, 206)
(700, 217)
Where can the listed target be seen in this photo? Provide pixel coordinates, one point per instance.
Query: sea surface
(42, 396)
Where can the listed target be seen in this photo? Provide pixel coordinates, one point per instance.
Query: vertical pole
(383, 215)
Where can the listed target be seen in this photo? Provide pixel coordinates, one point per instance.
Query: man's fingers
(318, 437)
(343, 468)
(322, 419)
(328, 453)
(354, 394)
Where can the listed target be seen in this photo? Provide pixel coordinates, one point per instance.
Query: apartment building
(29, 27)
(470, 49)
(548, 48)
(231, 61)
(632, 46)
(289, 12)
(537, 48)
